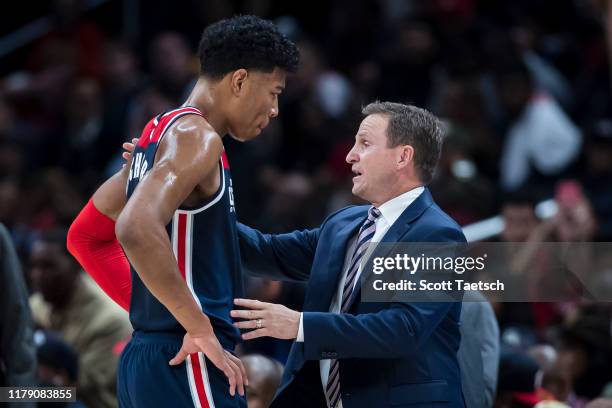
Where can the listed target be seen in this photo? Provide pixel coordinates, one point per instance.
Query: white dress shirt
(389, 213)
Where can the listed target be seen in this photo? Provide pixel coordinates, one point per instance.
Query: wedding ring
(258, 323)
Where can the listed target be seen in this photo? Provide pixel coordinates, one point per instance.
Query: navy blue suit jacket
(391, 354)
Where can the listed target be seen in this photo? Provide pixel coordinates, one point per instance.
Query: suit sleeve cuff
(300, 335)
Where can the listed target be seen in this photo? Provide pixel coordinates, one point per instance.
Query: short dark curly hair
(247, 42)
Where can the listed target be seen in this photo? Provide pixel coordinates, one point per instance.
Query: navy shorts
(145, 379)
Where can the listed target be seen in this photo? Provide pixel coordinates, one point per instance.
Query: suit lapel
(335, 265)
(399, 228)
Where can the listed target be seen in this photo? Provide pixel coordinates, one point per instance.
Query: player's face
(257, 103)
(372, 161)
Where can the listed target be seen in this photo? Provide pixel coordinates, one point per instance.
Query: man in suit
(349, 353)
(479, 352)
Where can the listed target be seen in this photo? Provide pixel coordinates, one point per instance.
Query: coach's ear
(404, 155)
(237, 81)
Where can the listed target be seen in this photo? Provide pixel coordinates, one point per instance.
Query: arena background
(523, 87)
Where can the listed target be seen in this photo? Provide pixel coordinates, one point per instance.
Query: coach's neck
(396, 190)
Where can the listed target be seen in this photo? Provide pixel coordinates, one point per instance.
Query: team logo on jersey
(139, 166)
(231, 196)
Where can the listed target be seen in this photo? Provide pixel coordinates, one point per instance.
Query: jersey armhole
(213, 199)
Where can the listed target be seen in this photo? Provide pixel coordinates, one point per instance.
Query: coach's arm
(277, 256)
(398, 331)
(286, 256)
(395, 331)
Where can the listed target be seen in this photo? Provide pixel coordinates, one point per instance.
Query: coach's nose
(352, 157)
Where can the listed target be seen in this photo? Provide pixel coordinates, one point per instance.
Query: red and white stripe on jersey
(224, 160)
(197, 374)
(156, 128)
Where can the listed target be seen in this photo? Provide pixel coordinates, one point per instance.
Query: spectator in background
(541, 141)
(462, 190)
(460, 99)
(173, 66)
(597, 173)
(122, 85)
(9, 200)
(264, 376)
(408, 63)
(518, 380)
(518, 212)
(58, 362)
(84, 114)
(478, 352)
(535, 261)
(586, 348)
(70, 304)
(516, 320)
(58, 365)
(17, 354)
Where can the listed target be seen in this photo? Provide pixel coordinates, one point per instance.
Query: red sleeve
(92, 241)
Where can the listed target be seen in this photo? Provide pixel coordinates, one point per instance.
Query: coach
(349, 353)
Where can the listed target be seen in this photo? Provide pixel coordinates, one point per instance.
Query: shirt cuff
(300, 335)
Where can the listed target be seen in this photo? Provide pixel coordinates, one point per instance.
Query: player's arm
(92, 240)
(188, 157)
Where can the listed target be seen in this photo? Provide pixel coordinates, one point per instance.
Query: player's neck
(203, 97)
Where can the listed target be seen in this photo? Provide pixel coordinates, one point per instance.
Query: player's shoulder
(194, 125)
(191, 131)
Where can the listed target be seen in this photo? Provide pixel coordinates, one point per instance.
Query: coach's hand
(268, 319)
(129, 148)
(225, 361)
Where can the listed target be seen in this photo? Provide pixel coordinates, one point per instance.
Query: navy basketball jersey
(204, 241)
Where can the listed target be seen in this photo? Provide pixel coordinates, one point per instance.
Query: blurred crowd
(525, 92)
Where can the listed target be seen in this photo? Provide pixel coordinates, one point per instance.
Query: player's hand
(129, 148)
(225, 361)
(268, 319)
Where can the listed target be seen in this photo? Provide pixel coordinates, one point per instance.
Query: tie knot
(373, 213)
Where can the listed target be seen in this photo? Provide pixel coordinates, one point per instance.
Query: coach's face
(373, 162)
(256, 101)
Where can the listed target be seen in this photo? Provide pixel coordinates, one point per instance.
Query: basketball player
(173, 213)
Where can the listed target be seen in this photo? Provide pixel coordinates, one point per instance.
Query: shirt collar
(392, 209)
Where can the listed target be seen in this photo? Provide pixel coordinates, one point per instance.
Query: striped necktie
(366, 233)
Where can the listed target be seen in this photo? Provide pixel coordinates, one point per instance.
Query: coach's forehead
(375, 124)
